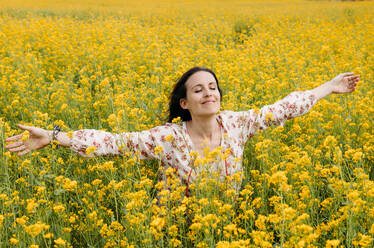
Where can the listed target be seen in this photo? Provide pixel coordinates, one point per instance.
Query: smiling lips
(209, 101)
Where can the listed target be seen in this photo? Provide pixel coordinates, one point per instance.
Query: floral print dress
(172, 145)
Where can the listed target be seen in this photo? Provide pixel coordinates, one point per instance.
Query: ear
(183, 103)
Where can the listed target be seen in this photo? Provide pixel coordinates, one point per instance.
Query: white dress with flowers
(172, 145)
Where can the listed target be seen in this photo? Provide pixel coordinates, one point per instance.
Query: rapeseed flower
(306, 184)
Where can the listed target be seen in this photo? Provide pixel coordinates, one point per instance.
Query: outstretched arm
(343, 83)
(295, 104)
(102, 142)
(38, 138)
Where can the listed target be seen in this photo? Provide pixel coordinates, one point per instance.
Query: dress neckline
(190, 144)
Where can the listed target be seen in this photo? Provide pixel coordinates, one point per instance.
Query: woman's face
(203, 97)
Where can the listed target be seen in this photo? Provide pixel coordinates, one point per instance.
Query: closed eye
(197, 91)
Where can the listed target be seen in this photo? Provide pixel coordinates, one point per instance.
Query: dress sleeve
(91, 143)
(247, 123)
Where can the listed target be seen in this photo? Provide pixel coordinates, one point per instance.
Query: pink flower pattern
(238, 127)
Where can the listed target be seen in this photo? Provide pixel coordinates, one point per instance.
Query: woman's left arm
(343, 83)
(295, 104)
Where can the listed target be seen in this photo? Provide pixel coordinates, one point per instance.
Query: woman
(196, 100)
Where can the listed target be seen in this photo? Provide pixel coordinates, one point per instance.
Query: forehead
(200, 77)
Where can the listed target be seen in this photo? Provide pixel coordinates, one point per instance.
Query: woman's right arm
(37, 139)
(90, 142)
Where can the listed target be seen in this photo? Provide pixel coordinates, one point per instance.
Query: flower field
(111, 65)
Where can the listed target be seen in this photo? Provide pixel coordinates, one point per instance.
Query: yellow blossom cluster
(111, 65)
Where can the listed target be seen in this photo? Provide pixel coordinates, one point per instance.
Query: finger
(28, 128)
(353, 77)
(17, 149)
(346, 74)
(23, 153)
(353, 83)
(349, 78)
(13, 145)
(14, 138)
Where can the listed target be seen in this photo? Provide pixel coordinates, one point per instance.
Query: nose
(207, 92)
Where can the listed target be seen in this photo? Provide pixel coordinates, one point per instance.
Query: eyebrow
(202, 85)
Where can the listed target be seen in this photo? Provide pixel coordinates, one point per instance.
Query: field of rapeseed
(111, 65)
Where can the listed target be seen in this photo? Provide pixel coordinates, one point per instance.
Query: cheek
(194, 98)
(190, 101)
(218, 96)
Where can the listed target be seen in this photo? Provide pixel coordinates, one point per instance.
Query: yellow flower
(59, 208)
(60, 242)
(70, 134)
(269, 116)
(173, 230)
(158, 223)
(330, 141)
(353, 195)
(289, 213)
(63, 107)
(69, 185)
(362, 241)
(92, 216)
(332, 243)
(196, 227)
(25, 135)
(115, 71)
(230, 228)
(158, 149)
(194, 154)
(36, 229)
(177, 120)
(112, 120)
(31, 205)
(48, 235)
(169, 138)
(175, 242)
(3, 197)
(90, 150)
(22, 220)
(278, 177)
(260, 222)
(1, 219)
(13, 241)
(357, 156)
(104, 83)
(96, 182)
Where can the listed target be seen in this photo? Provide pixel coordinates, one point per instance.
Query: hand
(38, 138)
(344, 83)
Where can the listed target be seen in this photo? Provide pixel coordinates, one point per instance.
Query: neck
(203, 127)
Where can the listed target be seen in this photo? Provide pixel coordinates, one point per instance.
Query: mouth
(209, 101)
